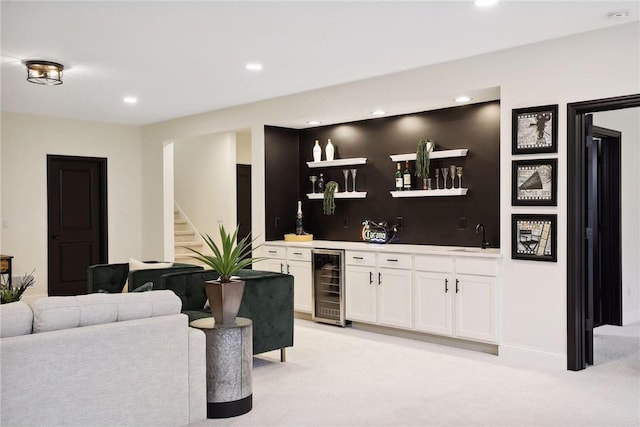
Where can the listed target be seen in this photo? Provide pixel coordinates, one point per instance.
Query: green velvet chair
(112, 277)
(267, 301)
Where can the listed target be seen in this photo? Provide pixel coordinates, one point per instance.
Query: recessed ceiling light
(254, 66)
(463, 98)
(378, 113)
(485, 3)
(619, 14)
(313, 122)
(130, 99)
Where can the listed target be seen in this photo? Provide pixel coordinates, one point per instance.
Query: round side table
(229, 366)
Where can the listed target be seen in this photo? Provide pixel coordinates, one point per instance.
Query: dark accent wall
(426, 220)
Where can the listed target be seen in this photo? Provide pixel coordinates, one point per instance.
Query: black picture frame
(534, 237)
(534, 182)
(534, 130)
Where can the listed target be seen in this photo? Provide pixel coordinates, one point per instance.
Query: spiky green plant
(329, 202)
(230, 257)
(423, 154)
(10, 293)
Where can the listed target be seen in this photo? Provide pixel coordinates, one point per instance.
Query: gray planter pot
(224, 299)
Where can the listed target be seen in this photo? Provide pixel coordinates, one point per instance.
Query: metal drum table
(229, 366)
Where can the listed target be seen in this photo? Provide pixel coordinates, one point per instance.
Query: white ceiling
(183, 58)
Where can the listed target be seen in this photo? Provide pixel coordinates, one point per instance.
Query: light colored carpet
(348, 377)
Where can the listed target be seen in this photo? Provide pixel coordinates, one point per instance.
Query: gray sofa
(101, 360)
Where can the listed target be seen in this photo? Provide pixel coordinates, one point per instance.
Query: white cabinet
(476, 308)
(433, 302)
(376, 292)
(294, 261)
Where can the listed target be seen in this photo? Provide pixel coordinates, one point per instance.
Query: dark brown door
(243, 200)
(77, 220)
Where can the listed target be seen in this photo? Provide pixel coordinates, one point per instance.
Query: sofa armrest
(197, 376)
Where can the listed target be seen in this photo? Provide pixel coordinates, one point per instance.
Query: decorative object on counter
(423, 153)
(535, 130)
(317, 152)
(10, 293)
(533, 237)
(299, 227)
(329, 150)
(225, 294)
(329, 203)
(445, 173)
(534, 182)
(313, 180)
(321, 184)
(459, 174)
(345, 173)
(380, 232)
(353, 179)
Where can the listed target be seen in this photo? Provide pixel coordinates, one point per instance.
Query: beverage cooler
(328, 286)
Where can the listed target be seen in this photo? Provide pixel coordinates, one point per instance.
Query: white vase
(328, 150)
(317, 152)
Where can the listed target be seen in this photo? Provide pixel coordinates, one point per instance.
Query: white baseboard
(523, 357)
(630, 316)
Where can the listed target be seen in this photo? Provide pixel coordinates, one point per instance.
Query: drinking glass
(313, 180)
(459, 173)
(353, 176)
(452, 172)
(437, 178)
(445, 173)
(345, 172)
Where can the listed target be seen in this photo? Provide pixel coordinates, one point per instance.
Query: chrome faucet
(484, 244)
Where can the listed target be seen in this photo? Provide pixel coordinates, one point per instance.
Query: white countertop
(393, 248)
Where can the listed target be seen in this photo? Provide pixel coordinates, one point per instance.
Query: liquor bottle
(299, 228)
(321, 184)
(399, 181)
(406, 176)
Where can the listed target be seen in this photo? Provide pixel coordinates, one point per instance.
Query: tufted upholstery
(111, 277)
(267, 301)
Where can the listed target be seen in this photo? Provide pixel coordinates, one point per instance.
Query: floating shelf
(441, 154)
(431, 193)
(342, 195)
(339, 162)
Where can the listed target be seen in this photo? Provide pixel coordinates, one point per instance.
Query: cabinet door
(433, 302)
(301, 272)
(360, 293)
(275, 265)
(476, 308)
(395, 298)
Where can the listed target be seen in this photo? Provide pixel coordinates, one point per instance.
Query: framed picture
(533, 237)
(535, 130)
(534, 182)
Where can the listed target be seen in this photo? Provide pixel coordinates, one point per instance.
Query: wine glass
(437, 178)
(353, 176)
(452, 172)
(459, 173)
(313, 180)
(345, 172)
(445, 173)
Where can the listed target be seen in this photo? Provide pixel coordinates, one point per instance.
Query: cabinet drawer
(301, 254)
(394, 260)
(479, 266)
(275, 252)
(360, 258)
(443, 264)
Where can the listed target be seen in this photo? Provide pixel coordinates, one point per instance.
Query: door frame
(576, 248)
(104, 211)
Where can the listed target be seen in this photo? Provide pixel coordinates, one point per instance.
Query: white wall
(533, 294)
(243, 148)
(26, 141)
(628, 122)
(205, 180)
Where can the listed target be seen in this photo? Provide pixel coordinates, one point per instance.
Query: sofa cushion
(16, 318)
(54, 313)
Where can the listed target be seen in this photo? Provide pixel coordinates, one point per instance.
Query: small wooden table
(5, 266)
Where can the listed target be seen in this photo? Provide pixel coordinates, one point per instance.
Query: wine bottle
(407, 176)
(399, 181)
(299, 228)
(321, 184)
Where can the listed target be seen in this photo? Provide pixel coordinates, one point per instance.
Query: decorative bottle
(317, 152)
(406, 176)
(328, 150)
(299, 228)
(321, 184)
(399, 182)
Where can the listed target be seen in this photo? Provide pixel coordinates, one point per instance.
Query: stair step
(187, 243)
(179, 221)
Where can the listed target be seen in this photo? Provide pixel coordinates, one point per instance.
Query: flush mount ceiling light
(44, 72)
(378, 113)
(254, 66)
(485, 3)
(130, 99)
(463, 98)
(313, 122)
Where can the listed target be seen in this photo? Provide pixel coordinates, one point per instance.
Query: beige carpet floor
(348, 377)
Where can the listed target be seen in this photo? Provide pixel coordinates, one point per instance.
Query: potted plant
(10, 293)
(423, 154)
(225, 294)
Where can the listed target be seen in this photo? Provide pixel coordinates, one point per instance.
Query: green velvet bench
(267, 301)
(112, 277)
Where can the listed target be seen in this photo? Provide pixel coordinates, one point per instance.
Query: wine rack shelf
(339, 162)
(442, 154)
(431, 193)
(342, 195)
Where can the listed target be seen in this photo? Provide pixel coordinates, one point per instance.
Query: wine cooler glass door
(328, 286)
